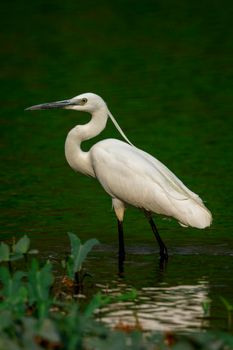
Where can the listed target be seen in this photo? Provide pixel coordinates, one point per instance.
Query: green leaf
(22, 245)
(75, 251)
(75, 244)
(16, 256)
(226, 303)
(4, 252)
(95, 303)
(4, 275)
(131, 295)
(98, 300)
(70, 268)
(63, 264)
(78, 252)
(11, 285)
(39, 281)
(13, 292)
(85, 249)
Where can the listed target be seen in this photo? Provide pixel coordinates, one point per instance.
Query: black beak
(51, 105)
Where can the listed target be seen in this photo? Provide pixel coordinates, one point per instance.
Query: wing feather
(126, 159)
(137, 178)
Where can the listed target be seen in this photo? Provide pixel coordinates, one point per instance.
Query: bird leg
(119, 208)
(121, 241)
(162, 247)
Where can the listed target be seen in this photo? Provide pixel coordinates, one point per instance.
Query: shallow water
(166, 73)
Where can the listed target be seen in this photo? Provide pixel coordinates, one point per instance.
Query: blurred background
(165, 70)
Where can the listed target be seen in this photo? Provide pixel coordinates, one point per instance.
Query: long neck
(78, 160)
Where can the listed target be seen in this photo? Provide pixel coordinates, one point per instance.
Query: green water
(165, 70)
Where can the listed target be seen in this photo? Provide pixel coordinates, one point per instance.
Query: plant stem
(77, 283)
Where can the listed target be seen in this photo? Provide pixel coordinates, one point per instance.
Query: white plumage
(136, 178)
(128, 174)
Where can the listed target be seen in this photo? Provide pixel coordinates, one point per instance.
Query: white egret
(129, 175)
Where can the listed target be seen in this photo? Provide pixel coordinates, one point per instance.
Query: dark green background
(165, 69)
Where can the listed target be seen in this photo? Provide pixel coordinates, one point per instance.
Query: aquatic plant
(33, 317)
(74, 261)
(229, 308)
(16, 251)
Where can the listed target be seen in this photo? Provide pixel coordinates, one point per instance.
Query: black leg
(162, 247)
(121, 261)
(121, 241)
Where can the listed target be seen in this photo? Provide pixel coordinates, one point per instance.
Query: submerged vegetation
(33, 315)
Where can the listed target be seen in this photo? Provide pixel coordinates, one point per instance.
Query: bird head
(87, 102)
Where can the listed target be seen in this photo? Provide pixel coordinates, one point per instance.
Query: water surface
(165, 71)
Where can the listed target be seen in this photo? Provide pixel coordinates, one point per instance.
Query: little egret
(129, 175)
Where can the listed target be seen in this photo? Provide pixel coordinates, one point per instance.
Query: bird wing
(122, 169)
(170, 182)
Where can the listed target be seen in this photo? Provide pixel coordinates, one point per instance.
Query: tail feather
(194, 214)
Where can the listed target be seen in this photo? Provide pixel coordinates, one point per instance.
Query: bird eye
(84, 100)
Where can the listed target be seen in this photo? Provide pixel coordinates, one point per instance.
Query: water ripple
(160, 308)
